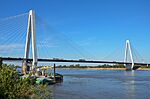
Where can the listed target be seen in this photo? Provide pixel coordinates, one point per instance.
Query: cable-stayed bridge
(26, 26)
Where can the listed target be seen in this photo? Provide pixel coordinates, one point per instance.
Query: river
(102, 84)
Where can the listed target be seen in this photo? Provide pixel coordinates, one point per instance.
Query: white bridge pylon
(31, 34)
(128, 49)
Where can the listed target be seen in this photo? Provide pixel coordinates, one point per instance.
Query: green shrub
(13, 87)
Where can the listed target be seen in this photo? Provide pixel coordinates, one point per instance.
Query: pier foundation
(1, 62)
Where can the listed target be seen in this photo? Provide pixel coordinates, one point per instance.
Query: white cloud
(46, 44)
(11, 46)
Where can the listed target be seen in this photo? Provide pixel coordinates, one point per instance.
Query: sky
(98, 26)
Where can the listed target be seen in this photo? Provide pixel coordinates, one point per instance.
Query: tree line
(99, 66)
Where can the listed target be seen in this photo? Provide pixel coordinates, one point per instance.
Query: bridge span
(31, 38)
(72, 61)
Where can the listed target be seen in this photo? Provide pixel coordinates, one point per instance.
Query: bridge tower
(128, 49)
(31, 34)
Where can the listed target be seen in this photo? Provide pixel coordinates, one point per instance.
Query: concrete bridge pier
(31, 35)
(128, 67)
(128, 50)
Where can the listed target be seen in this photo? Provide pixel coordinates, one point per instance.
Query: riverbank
(105, 68)
(144, 69)
(116, 68)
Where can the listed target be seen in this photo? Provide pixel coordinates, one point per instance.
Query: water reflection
(130, 84)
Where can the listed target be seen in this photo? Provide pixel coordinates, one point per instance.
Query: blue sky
(98, 26)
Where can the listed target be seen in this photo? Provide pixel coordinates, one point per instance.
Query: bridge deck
(76, 61)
